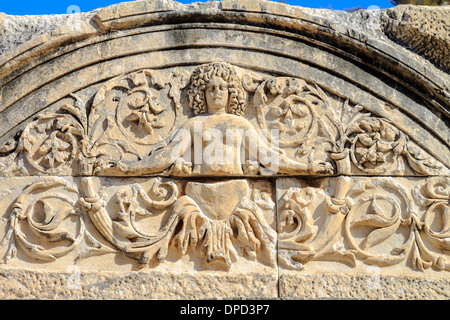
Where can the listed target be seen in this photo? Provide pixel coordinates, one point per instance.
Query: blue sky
(32, 7)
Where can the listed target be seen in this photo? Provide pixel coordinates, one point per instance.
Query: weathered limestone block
(422, 30)
(355, 245)
(161, 230)
(232, 149)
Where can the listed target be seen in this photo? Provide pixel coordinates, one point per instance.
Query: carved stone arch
(107, 106)
(301, 46)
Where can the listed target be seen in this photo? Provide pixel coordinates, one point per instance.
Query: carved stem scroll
(133, 123)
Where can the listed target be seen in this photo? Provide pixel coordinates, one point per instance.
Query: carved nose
(216, 94)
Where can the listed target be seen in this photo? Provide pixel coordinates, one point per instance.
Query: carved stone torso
(222, 134)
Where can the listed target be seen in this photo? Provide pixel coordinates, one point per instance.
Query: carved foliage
(379, 221)
(385, 222)
(50, 144)
(133, 114)
(376, 146)
(137, 113)
(130, 116)
(433, 230)
(40, 221)
(287, 105)
(376, 221)
(191, 224)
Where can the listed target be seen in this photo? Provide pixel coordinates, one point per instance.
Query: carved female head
(201, 78)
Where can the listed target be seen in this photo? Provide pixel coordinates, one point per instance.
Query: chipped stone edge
(352, 26)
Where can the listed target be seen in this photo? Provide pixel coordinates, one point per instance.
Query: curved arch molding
(99, 116)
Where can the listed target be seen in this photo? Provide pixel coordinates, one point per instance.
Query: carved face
(216, 94)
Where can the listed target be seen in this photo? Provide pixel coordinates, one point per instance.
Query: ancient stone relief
(214, 218)
(381, 221)
(230, 131)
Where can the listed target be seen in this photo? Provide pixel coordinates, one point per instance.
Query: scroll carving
(139, 118)
(134, 114)
(288, 105)
(375, 146)
(40, 221)
(195, 222)
(224, 123)
(379, 222)
(51, 144)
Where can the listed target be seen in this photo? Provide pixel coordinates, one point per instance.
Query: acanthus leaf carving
(433, 228)
(192, 223)
(383, 224)
(132, 127)
(288, 106)
(135, 114)
(42, 214)
(375, 145)
(220, 115)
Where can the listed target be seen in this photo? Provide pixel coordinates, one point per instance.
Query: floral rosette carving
(288, 106)
(40, 221)
(51, 144)
(376, 146)
(134, 114)
(139, 114)
(378, 221)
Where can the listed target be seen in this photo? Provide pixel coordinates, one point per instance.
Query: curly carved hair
(200, 78)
